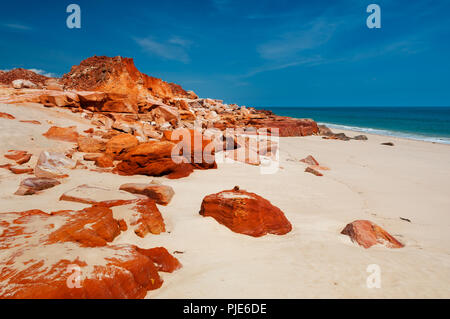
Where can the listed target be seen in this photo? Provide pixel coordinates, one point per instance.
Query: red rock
(67, 134)
(22, 74)
(61, 99)
(367, 234)
(92, 156)
(20, 157)
(31, 122)
(118, 145)
(90, 145)
(20, 170)
(104, 161)
(287, 126)
(311, 170)
(6, 116)
(154, 159)
(39, 252)
(194, 146)
(162, 259)
(161, 194)
(310, 160)
(120, 76)
(150, 219)
(33, 185)
(245, 213)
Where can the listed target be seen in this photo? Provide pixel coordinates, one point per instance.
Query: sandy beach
(366, 180)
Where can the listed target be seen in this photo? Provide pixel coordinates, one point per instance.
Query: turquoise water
(421, 123)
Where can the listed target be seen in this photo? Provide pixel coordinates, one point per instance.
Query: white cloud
(173, 49)
(17, 26)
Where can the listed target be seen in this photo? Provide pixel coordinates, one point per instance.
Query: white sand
(366, 181)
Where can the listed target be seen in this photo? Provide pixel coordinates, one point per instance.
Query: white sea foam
(412, 136)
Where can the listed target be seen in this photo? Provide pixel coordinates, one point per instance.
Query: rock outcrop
(366, 234)
(68, 254)
(245, 213)
(120, 76)
(154, 159)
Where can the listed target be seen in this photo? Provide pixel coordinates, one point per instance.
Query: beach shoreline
(366, 181)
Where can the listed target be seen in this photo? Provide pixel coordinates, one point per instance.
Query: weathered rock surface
(33, 185)
(245, 213)
(88, 144)
(67, 254)
(366, 234)
(6, 116)
(20, 170)
(313, 171)
(104, 161)
(66, 134)
(161, 194)
(89, 194)
(310, 160)
(120, 76)
(20, 157)
(142, 215)
(53, 165)
(118, 145)
(23, 84)
(194, 146)
(154, 159)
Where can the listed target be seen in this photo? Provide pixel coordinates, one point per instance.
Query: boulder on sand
(161, 194)
(53, 165)
(245, 213)
(154, 158)
(118, 145)
(33, 185)
(367, 234)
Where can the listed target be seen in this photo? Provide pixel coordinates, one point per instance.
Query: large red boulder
(245, 213)
(68, 254)
(154, 159)
(118, 145)
(194, 146)
(367, 234)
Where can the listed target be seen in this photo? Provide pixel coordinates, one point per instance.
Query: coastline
(366, 181)
(387, 133)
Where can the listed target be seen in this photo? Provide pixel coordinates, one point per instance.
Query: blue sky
(254, 53)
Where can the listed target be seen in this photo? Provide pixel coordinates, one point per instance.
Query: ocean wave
(411, 136)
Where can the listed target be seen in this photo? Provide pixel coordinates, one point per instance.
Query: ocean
(420, 123)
